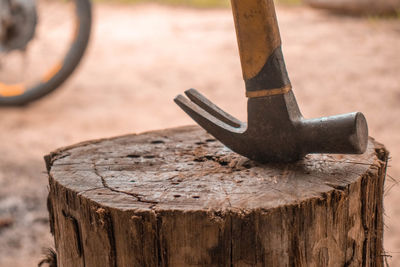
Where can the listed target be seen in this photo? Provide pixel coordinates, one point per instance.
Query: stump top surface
(187, 169)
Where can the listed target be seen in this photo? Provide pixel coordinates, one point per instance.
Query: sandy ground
(142, 56)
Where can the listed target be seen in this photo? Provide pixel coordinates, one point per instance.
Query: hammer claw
(211, 108)
(205, 118)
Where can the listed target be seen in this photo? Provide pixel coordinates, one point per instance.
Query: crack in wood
(350, 261)
(320, 211)
(136, 196)
(89, 190)
(109, 226)
(77, 231)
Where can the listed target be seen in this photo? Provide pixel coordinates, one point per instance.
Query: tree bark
(178, 197)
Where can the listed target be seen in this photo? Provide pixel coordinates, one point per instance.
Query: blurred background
(342, 56)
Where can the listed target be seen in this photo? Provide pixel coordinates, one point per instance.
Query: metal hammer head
(276, 131)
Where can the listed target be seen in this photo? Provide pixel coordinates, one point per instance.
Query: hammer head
(276, 131)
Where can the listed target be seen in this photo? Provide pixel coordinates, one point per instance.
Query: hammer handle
(257, 32)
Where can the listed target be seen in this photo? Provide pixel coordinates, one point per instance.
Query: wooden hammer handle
(260, 51)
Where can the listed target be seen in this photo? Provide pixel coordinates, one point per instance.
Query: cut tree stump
(178, 197)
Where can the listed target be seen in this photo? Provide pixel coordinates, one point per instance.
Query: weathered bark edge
(229, 222)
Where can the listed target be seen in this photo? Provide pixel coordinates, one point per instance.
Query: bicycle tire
(70, 62)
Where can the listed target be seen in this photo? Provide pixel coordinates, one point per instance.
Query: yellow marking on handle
(257, 33)
(9, 90)
(52, 72)
(269, 92)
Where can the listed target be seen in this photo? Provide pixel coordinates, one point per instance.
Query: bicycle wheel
(41, 44)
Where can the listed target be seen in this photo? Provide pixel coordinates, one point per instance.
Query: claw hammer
(276, 131)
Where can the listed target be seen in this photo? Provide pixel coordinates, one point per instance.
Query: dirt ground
(142, 56)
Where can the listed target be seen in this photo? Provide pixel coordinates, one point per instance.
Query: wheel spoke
(2, 55)
(46, 46)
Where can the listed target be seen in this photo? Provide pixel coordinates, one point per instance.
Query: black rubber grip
(272, 76)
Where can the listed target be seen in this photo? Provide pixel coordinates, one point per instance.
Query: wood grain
(178, 197)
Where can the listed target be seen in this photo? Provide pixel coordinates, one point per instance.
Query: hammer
(276, 130)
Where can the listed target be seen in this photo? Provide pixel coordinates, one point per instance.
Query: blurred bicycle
(41, 44)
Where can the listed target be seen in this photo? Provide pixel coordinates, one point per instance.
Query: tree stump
(178, 197)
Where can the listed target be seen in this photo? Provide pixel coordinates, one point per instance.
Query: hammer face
(340, 134)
